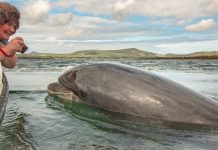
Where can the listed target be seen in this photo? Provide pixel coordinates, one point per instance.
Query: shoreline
(116, 58)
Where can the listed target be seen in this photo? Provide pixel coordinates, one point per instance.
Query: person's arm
(8, 53)
(8, 62)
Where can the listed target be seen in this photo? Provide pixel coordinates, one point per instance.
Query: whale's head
(65, 87)
(67, 80)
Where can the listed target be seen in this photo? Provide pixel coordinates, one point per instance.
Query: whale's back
(136, 92)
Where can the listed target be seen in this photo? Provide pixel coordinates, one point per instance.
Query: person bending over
(9, 23)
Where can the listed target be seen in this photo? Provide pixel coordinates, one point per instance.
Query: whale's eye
(72, 75)
(82, 94)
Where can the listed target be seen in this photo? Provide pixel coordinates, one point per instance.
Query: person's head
(9, 20)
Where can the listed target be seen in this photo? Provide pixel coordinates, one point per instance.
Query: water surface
(35, 120)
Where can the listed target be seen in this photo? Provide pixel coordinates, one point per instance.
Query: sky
(159, 26)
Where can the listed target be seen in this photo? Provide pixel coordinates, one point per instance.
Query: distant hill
(131, 53)
(122, 53)
(212, 54)
(33, 52)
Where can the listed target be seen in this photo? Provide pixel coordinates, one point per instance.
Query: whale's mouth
(57, 87)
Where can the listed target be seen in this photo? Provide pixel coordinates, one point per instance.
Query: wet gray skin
(138, 93)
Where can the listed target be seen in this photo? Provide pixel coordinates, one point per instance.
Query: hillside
(212, 54)
(123, 53)
(131, 53)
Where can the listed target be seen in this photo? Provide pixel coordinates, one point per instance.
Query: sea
(36, 121)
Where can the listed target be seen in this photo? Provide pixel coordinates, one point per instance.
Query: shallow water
(35, 120)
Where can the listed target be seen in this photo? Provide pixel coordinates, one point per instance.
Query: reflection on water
(15, 133)
(35, 120)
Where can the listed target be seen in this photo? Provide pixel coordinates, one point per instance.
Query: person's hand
(15, 45)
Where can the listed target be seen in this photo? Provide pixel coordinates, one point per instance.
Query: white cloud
(62, 3)
(188, 47)
(60, 19)
(122, 8)
(201, 26)
(74, 32)
(122, 5)
(211, 6)
(51, 39)
(36, 12)
(181, 9)
(48, 24)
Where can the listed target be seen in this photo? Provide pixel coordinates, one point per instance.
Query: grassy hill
(131, 53)
(212, 54)
(123, 53)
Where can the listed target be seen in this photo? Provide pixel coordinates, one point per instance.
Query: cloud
(201, 26)
(182, 12)
(189, 46)
(62, 3)
(59, 24)
(60, 19)
(181, 9)
(39, 12)
(36, 12)
(74, 32)
(211, 6)
(122, 5)
(51, 39)
(122, 8)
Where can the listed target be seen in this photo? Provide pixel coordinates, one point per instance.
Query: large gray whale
(136, 94)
